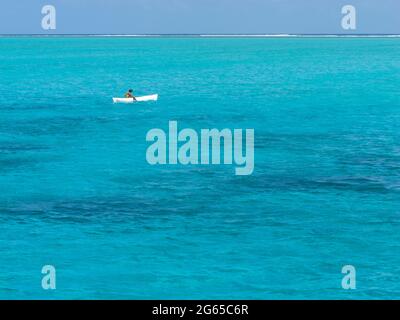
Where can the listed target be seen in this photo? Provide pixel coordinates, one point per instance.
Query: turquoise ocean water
(76, 191)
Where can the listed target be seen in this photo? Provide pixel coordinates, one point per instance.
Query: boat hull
(153, 97)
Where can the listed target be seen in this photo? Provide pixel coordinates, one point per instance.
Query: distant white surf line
(300, 36)
(209, 35)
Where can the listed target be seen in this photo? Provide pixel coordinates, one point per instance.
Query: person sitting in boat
(129, 94)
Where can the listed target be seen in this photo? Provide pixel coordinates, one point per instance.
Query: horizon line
(155, 35)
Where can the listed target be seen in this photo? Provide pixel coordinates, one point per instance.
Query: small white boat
(153, 97)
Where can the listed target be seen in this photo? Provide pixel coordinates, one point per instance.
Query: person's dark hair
(130, 90)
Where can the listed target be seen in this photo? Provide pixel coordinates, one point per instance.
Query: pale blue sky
(199, 16)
